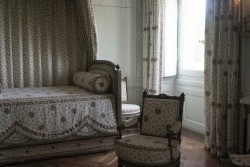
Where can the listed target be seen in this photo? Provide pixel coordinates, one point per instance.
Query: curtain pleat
(88, 27)
(221, 76)
(41, 43)
(153, 16)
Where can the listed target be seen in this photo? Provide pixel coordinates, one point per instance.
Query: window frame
(170, 65)
(180, 71)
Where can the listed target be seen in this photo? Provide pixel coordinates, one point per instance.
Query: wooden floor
(192, 148)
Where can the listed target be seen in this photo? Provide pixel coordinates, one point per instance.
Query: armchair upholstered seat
(158, 143)
(240, 160)
(146, 150)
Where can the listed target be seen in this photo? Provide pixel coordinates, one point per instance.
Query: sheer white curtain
(40, 42)
(153, 18)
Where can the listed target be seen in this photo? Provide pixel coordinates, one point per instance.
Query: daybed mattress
(53, 113)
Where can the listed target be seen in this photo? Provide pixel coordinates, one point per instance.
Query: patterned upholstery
(128, 109)
(124, 90)
(159, 141)
(147, 150)
(95, 82)
(159, 115)
(130, 112)
(240, 160)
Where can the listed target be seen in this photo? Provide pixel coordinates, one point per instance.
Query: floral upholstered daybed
(43, 122)
(57, 99)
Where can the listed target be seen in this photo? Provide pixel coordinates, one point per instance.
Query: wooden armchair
(158, 143)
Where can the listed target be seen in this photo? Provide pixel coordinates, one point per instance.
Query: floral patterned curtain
(221, 75)
(41, 44)
(88, 27)
(153, 16)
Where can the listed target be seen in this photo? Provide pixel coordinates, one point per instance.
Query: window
(187, 40)
(170, 37)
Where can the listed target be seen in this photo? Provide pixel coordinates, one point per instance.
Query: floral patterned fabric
(124, 91)
(91, 81)
(41, 44)
(221, 76)
(108, 72)
(49, 150)
(128, 109)
(88, 28)
(146, 150)
(240, 160)
(52, 113)
(130, 121)
(159, 116)
(130, 114)
(158, 143)
(153, 26)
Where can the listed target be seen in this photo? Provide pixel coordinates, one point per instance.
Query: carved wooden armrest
(173, 131)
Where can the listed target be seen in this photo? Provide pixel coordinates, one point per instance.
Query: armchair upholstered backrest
(161, 115)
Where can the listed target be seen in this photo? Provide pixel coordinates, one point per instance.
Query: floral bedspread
(51, 113)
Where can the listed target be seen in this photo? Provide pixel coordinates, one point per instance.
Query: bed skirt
(55, 150)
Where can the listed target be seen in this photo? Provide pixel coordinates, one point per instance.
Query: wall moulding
(113, 3)
(193, 114)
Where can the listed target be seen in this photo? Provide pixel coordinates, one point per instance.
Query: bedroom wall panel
(169, 86)
(193, 114)
(119, 30)
(111, 30)
(113, 3)
(193, 87)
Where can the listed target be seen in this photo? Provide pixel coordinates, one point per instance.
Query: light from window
(170, 37)
(191, 31)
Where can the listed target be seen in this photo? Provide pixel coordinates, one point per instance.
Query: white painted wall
(193, 87)
(119, 30)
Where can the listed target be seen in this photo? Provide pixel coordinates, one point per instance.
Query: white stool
(130, 112)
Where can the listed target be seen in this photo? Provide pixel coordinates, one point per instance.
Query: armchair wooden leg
(119, 163)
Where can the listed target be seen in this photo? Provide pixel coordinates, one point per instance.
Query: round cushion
(146, 150)
(128, 109)
(94, 82)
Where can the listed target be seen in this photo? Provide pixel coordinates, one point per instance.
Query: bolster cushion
(95, 82)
